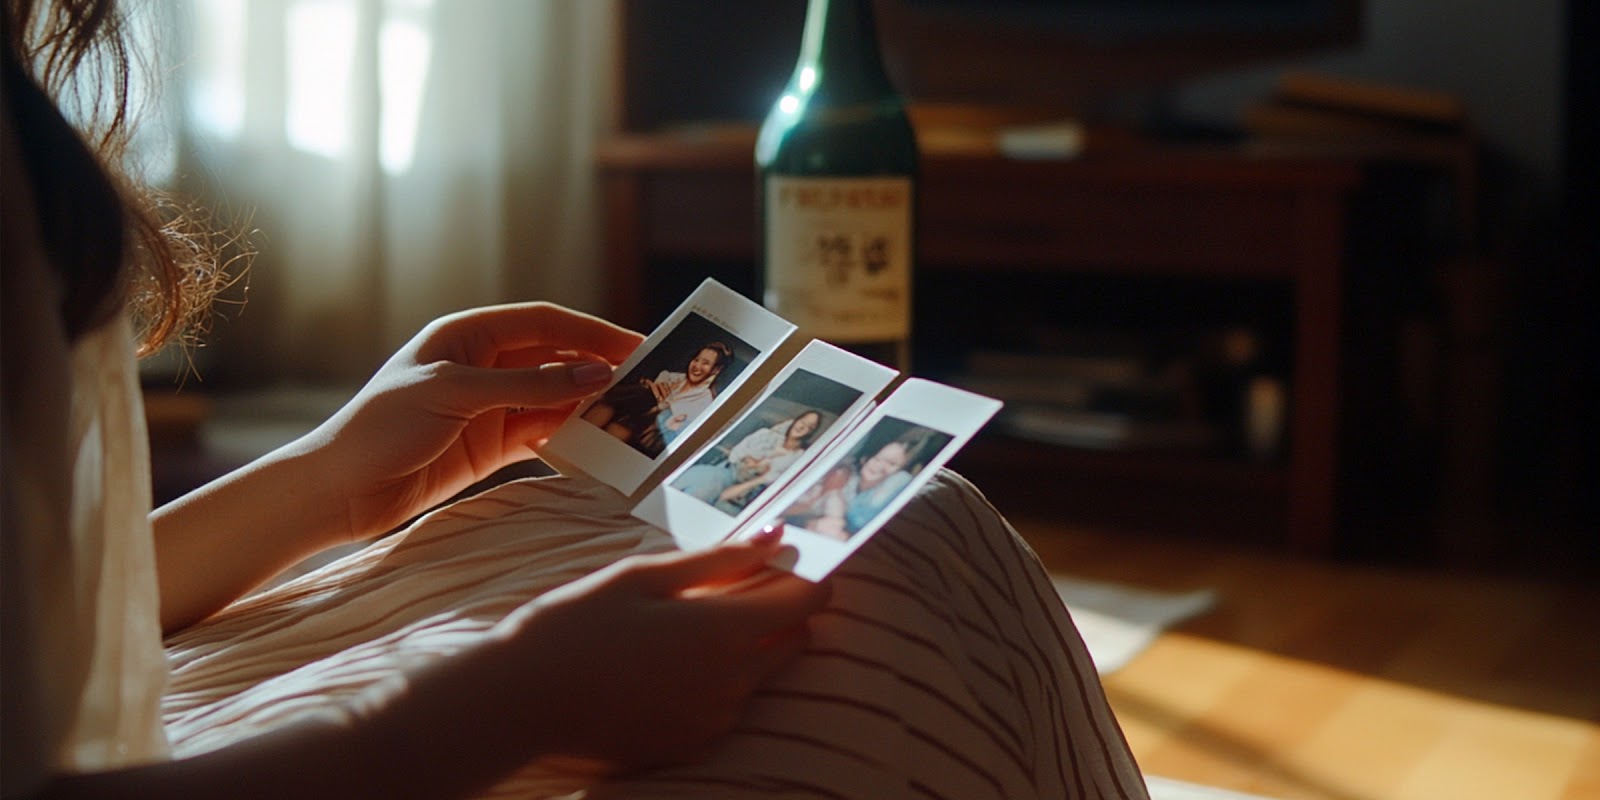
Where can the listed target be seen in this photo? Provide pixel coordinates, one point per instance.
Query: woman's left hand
(471, 393)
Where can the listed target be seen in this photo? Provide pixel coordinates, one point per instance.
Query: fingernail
(771, 534)
(590, 373)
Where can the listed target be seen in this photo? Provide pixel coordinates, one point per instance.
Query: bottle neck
(840, 50)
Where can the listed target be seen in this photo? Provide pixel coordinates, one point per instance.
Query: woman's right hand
(647, 662)
(661, 389)
(651, 660)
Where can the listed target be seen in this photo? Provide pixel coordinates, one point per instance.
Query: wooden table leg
(1314, 400)
(623, 197)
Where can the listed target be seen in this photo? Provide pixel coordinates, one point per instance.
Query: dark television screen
(1070, 52)
(687, 61)
(1125, 20)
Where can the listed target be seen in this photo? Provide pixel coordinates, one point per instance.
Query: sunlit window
(216, 86)
(321, 53)
(404, 48)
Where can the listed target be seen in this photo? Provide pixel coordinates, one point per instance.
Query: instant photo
(715, 432)
(666, 390)
(814, 400)
(835, 505)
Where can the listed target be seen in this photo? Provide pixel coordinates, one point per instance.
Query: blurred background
(1291, 303)
(398, 160)
(401, 159)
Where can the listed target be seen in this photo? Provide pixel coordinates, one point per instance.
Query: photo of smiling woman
(867, 479)
(671, 387)
(766, 442)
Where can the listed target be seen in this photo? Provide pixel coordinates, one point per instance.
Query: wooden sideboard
(676, 207)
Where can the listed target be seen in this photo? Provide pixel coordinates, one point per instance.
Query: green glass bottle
(836, 165)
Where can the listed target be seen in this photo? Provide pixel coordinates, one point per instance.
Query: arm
(831, 520)
(433, 419)
(529, 691)
(832, 507)
(762, 471)
(747, 447)
(868, 504)
(738, 490)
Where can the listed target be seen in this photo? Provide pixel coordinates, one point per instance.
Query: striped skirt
(944, 667)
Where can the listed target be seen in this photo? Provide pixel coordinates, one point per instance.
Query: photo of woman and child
(691, 366)
(866, 480)
(757, 450)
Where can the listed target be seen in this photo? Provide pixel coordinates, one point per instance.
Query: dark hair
(724, 352)
(809, 437)
(112, 242)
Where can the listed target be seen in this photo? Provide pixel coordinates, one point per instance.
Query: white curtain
(401, 159)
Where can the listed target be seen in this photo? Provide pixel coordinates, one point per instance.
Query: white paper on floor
(1118, 622)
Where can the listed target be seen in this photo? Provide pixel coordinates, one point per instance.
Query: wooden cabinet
(678, 208)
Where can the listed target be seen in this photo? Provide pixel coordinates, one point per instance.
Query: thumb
(543, 386)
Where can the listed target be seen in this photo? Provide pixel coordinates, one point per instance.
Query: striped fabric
(945, 666)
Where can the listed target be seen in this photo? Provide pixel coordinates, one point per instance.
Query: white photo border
(946, 410)
(584, 446)
(695, 524)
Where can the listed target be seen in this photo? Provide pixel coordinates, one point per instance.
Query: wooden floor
(1340, 682)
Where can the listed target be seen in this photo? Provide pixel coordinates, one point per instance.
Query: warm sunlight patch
(1235, 705)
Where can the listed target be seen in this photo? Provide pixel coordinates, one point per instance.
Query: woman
(881, 478)
(683, 396)
(752, 464)
(430, 664)
(650, 414)
(91, 581)
(847, 499)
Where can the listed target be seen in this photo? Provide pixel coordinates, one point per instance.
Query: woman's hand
(651, 660)
(738, 490)
(471, 393)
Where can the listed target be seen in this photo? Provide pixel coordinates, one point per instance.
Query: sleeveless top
(93, 670)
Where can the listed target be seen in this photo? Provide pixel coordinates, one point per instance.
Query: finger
(529, 427)
(677, 573)
(539, 356)
(743, 583)
(477, 389)
(522, 325)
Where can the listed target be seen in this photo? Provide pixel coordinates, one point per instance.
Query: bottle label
(838, 260)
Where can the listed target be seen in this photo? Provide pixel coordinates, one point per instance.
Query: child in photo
(857, 490)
